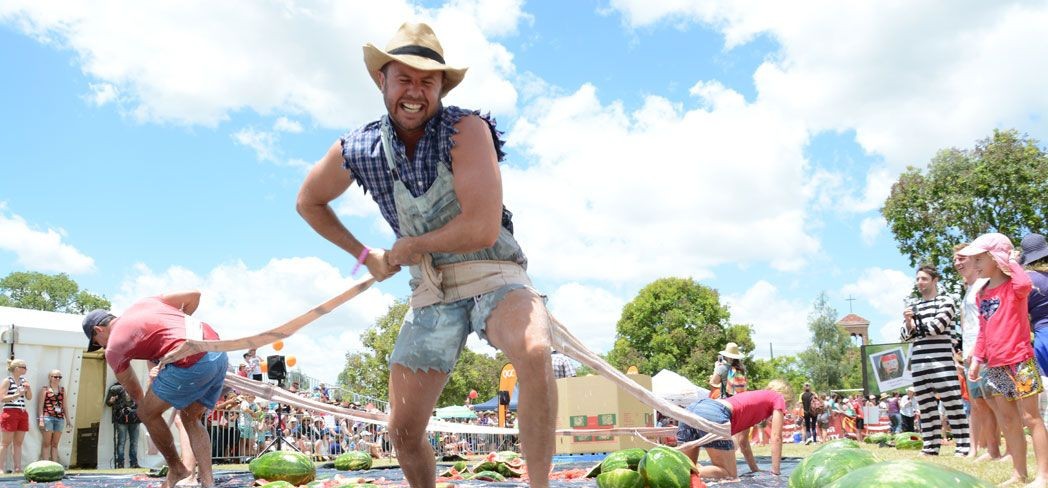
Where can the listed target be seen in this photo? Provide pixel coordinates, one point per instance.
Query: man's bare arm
(187, 301)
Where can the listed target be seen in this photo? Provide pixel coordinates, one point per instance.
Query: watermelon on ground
(294, 467)
(839, 444)
(594, 471)
(910, 474)
(908, 440)
(879, 438)
(43, 471)
(353, 461)
(278, 484)
(823, 467)
(665, 467)
(626, 458)
(620, 478)
(488, 476)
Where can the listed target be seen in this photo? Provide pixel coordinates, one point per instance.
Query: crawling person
(743, 410)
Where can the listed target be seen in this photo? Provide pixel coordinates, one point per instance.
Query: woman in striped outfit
(14, 421)
(930, 326)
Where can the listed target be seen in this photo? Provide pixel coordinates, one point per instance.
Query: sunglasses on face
(59, 376)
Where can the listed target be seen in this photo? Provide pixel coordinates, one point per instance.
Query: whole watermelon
(823, 467)
(626, 458)
(620, 478)
(908, 440)
(907, 473)
(293, 467)
(43, 471)
(839, 444)
(665, 467)
(353, 461)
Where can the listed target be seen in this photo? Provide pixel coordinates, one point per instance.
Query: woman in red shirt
(743, 410)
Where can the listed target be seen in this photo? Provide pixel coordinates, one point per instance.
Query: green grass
(995, 472)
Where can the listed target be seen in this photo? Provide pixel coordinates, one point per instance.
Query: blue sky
(148, 148)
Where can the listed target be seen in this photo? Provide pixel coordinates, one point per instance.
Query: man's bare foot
(1013, 480)
(175, 473)
(1006, 457)
(1038, 482)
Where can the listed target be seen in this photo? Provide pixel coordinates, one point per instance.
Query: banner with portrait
(886, 367)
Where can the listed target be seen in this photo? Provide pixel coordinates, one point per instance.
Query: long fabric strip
(191, 347)
(566, 342)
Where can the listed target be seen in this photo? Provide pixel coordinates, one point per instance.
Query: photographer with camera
(125, 424)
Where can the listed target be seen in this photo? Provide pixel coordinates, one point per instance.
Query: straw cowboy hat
(417, 46)
(731, 350)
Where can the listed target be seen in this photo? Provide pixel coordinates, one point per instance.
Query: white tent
(50, 340)
(677, 389)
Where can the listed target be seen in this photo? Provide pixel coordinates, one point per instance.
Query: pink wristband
(360, 261)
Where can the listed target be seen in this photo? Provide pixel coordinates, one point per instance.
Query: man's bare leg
(722, 465)
(520, 327)
(199, 442)
(151, 412)
(412, 396)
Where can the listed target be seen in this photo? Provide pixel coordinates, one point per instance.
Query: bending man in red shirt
(148, 330)
(743, 410)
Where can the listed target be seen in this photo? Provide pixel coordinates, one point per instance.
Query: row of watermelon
(844, 464)
(660, 467)
(296, 469)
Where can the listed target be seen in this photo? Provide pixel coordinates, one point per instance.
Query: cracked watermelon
(620, 478)
(665, 467)
(908, 473)
(626, 458)
(823, 467)
(43, 471)
(353, 461)
(293, 467)
(908, 440)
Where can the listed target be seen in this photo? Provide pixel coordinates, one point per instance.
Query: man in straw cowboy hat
(433, 171)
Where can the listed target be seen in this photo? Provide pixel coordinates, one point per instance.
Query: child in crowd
(743, 410)
(1003, 349)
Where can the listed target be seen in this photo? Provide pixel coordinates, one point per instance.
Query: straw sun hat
(417, 46)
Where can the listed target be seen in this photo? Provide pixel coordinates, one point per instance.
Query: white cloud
(775, 319)
(239, 301)
(262, 142)
(102, 93)
(189, 63)
(40, 250)
(870, 228)
(284, 124)
(590, 313)
(908, 79)
(611, 195)
(884, 291)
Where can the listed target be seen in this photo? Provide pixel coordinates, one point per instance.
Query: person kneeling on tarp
(743, 411)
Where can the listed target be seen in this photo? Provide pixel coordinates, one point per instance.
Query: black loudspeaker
(276, 368)
(503, 397)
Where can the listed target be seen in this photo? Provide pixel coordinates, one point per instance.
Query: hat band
(416, 50)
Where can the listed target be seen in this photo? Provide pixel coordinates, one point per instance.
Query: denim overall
(433, 335)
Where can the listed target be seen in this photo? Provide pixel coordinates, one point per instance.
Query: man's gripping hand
(379, 266)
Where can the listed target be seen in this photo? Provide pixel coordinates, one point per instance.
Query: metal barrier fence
(237, 436)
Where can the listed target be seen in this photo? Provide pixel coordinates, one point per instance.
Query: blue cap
(92, 319)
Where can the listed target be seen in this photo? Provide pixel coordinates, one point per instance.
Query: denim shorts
(201, 382)
(54, 424)
(979, 389)
(713, 411)
(432, 337)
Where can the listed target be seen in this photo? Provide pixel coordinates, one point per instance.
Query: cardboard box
(595, 402)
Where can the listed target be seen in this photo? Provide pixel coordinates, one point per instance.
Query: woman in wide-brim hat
(729, 374)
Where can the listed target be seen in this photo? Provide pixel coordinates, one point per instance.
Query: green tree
(998, 186)
(675, 324)
(474, 371)
(367, 372)
(831, 360)
(53, 293)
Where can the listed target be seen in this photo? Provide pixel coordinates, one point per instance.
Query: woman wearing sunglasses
(52, 415)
